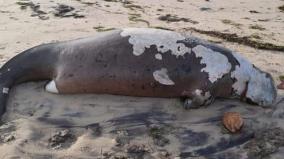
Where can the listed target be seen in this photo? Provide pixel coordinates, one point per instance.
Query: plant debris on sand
(61, 139)
(35, 9)
(62, 10)
(102, 28)
(227, 21)
(245, 40)
(281, 8)
(163, 28)
(257, 27)
(175, 18)
(134, 17)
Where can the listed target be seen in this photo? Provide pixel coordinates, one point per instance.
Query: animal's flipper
(37, 63)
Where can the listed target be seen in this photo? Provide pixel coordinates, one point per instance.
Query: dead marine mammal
(140, 62)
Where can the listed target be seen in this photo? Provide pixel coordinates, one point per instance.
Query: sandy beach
(41, 125)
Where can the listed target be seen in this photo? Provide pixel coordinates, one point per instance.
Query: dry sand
(42, 125)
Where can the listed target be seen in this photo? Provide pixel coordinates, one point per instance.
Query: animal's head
(261, 89)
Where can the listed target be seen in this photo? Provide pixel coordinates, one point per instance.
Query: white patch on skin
(158, 57)
(198, 92)
(51, 87)
(241, 74)
(5, 90)
(164, 40)
(261, 89)
(216, 63)
(162, 77)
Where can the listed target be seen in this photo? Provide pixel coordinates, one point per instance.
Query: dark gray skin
(106, 64)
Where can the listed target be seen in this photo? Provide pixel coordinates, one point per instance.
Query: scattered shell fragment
(233, 121)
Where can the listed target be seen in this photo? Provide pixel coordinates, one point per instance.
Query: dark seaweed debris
(227, 21)
(205, 9)
(102, 28)
(132, 6)
(137, 18)
(62, 10)
(35, 9)
(245, 40)
(87, 3)
(281, 8)
(254, 11)
(61, 139)
(175, 18)
(163, 28)
(257, 27)
(128, 4)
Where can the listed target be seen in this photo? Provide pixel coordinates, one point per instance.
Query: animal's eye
(249, 101)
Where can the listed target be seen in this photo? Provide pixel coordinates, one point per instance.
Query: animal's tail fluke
(34, 64)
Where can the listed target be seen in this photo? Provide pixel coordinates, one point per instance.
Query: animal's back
(108, 64)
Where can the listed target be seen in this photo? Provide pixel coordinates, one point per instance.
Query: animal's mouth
(245, 98)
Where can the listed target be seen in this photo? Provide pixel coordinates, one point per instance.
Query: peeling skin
(158, 57)
(261, 88)
(216, 63)
(162, 77)
(5, 90)
(165, 40)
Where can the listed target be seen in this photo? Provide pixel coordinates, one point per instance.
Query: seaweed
(102, 28)
(163, 28)
(281, 8)
(244, 40)
(137, 18)
(36, 11)
(257, 27)
(132, 6)
(255, 36)
(174, 18)
(227, 21)
(254, 11)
